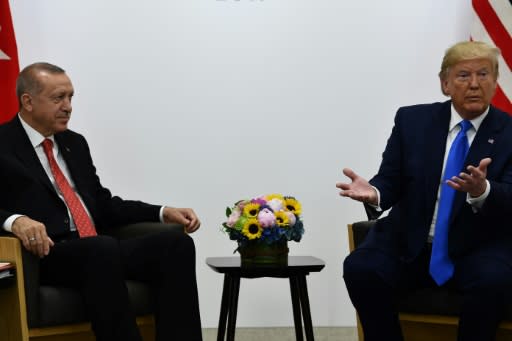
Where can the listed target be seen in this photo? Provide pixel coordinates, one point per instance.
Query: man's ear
(26, 102)
(444, 86)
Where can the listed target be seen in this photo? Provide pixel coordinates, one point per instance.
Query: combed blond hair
(467, 50)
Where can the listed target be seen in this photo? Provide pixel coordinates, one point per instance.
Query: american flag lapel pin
(491, 141)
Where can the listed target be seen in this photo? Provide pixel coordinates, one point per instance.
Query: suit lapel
(25, 152)
(435, 150)
(485, 138)
(68, 155)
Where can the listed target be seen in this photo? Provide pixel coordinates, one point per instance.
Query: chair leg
(360, 335)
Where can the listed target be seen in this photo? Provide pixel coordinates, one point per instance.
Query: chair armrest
(357, 232)
(140, 229)
(13, 299)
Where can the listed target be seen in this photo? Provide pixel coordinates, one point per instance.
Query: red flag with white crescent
(492, 24)
(9, 66)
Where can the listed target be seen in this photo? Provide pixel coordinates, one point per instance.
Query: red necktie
(82, 221)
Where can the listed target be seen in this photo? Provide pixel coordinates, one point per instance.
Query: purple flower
(259, 201)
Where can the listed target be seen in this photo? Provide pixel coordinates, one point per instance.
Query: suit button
(66, 221)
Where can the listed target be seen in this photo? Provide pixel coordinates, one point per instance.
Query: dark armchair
(29, 311)
(428, 314)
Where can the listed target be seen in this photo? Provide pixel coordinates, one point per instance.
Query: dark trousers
(374, 277)
(98, 266)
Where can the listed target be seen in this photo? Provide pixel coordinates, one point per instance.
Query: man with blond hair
(446, 176)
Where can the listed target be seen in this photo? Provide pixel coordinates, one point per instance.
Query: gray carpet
(285, 334)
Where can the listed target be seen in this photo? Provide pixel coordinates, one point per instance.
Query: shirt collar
(476, 122)
(34, 136)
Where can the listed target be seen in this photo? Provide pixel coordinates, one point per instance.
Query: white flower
(275, 204)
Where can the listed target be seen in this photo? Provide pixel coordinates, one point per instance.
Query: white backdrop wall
(203, 102)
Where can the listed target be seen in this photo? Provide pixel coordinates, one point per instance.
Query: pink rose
(233, 217)
(291, 218)
(266, 218)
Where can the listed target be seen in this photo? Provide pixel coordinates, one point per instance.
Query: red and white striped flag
(493, 24)
(9, 66)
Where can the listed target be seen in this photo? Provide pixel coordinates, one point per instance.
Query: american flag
(492, 24)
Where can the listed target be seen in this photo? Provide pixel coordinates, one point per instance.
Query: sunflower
(251, 210)
(252, 229)
(281, 219)
(274, 196)
(292, 205)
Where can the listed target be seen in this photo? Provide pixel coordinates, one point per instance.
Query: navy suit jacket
(409, 177)
(26, 189)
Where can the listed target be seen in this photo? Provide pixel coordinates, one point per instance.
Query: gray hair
(27, 81)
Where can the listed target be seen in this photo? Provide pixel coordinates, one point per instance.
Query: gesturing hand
(32, 235)
(183, 216)
(359, 189)
(474, 181)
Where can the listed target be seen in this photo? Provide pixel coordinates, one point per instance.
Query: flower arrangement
(267, 219)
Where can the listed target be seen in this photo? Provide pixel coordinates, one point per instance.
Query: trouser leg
(374, 279)
(485, 284)
(167, 261)
(93, 265)
(372, 297)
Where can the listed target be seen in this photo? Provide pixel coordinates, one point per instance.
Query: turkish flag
(9, 66)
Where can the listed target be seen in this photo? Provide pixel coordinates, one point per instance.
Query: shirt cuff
(161, 214)
(9, 221)
(376, 207)
(478, 202)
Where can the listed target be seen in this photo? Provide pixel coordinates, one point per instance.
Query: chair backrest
(358, 231)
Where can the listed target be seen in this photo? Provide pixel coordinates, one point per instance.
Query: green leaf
(228, 211)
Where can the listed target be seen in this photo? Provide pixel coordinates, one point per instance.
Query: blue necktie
(441, 266)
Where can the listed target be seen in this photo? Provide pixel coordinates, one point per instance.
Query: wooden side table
(296, 270)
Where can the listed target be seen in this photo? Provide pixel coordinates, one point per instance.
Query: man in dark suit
(426, 241)
(53, 201)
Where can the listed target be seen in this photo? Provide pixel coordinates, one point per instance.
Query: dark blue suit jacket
(26, 189)
(409, 177)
